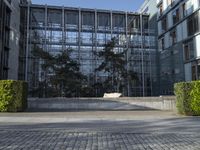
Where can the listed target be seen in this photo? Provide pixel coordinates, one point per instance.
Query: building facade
(25, 27)
(9, 38)
(5, 14)
(178, 37)
(86, 31)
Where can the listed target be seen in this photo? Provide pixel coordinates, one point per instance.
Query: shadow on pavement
(185, 124)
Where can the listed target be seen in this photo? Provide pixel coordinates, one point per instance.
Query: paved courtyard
(99, 130)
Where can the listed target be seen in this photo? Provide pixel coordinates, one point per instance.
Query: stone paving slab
(149, 130)
(60, 140)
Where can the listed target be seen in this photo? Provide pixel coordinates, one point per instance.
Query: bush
(13, 95)
(188, 97)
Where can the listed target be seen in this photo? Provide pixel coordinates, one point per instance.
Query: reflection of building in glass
(178, 37)
(86, 31)
(149, 7)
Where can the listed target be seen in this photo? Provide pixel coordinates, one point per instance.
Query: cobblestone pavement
(167, 133)
(46, 140)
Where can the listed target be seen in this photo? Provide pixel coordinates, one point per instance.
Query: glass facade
(86, 31)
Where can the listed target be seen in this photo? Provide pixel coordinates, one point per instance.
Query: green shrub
(13, 95)
(195, 95)
(188, 97)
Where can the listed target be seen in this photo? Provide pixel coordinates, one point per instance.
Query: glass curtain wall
(86, 31)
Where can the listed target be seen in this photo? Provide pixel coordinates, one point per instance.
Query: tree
(62, 74)
(67, 77)
(115, 65)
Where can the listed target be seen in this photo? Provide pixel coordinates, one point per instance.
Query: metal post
(111, 23)
(127, 54)
(95, 17)
(27, 42)
(79, 38)
(79, 35)
(150, 61)
(45, 46)
(63, 28)
(45, 28)
(95, 37)
(142, 52)
(111, 31)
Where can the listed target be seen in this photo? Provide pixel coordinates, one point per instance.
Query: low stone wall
(124, 103)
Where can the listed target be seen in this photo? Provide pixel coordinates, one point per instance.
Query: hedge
(13, 95)
(188, 97)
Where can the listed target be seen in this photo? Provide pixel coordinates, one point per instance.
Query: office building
(9, 38)
(178, 37)
(54, 28)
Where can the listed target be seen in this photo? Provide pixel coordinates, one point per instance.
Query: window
(188, 50)
(198, 71)
(7, 18)
(189, 7)
(87, 19)
(173, 37)
(104, 20)
(71, 37)
(118, 21)
(194, 73)
(146, 10)
(193, 24)
(37, 17)
(71, 19)
(176, 16)
(5, 58)
(7, 38)
(136, 22)
(162, 44)
(87, 38)
(183, 10)
(145, 22)
(54, 36)
(5, 73)
(164, 24)
(54, 18)
(161, 8)
(169, 2)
